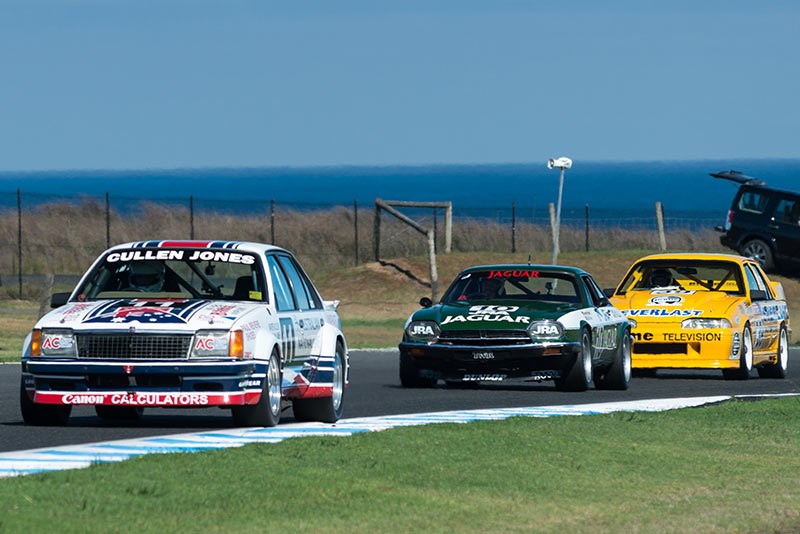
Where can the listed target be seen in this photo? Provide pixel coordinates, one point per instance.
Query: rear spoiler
(738, 177)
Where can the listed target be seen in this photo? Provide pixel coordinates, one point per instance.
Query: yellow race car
(705, 311)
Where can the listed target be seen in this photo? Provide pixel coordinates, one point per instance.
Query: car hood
(669, 305)
(147, 314)
(496, 316)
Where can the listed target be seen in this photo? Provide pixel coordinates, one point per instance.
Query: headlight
(422, 331)
(218, 344)
(696, 324)
(55, 342)
(545, 330)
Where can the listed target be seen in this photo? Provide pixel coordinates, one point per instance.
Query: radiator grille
(134, 346)
(484, 338)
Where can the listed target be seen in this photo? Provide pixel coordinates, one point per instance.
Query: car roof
(766, 188)
(244, 246)
(696, 256)
(526, 267)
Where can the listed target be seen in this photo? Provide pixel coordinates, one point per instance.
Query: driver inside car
(146, 276)
(661, 278)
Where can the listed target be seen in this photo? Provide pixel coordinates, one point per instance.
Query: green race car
(539, 322)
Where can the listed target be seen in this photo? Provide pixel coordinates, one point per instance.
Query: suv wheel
(759, 251)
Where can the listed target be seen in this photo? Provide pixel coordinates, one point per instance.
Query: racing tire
(578, 375)
(119, 413)
(745, 358)
(267, 411)
(759, 251)
(618, 374)
(778, 369)
(325, 409)
(409, 374)
(42, 414)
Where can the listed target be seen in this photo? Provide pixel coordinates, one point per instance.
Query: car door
(308, 318)
(785, 227)
(765, 313)
(286, 306)
(605, 326)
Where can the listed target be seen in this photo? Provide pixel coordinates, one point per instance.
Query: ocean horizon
(609, 189)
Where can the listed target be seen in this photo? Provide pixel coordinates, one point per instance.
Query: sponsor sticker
(662, 312)
(665, 300)
(179, 255)
(488, 313)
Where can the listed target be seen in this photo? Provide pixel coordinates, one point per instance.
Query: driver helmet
(491, 287)
(147, 275)
(660, 278)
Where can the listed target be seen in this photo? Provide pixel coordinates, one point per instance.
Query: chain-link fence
(44, 234)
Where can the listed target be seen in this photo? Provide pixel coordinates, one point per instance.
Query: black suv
(763, 223)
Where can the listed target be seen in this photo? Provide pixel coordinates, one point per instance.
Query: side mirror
(58, 299)
(608, 292)
(425, 302)
(758, 294)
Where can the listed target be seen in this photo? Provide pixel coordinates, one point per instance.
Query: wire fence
(42, 234)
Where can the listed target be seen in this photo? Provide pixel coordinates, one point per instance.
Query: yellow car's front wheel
(745, 358)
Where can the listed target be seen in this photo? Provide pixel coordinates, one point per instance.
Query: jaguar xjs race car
(539, 322)
(705, 311)
(188, 324)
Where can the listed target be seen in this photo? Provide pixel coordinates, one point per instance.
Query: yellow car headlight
(700, 323)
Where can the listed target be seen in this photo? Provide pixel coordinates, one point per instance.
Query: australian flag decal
(144, 311)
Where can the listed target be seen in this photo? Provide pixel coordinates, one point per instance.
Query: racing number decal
(288, 339)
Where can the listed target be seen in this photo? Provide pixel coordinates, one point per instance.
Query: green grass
(727, 468)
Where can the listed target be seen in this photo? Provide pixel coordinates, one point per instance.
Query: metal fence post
(108, 222)
(191, 216)
(513, 228)
(587, 227)
(355, 229)
(272, 221)
(19, 241)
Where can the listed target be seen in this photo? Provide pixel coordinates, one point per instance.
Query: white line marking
(78, 456)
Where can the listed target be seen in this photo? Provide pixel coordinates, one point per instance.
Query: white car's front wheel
(267, 411)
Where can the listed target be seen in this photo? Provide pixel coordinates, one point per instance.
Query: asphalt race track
(374, 390)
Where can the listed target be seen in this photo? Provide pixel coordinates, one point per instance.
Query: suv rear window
(753, 201)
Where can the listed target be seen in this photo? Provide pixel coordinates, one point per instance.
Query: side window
(754, 281)
(762, 283)
(300, 290)
(280, 286)
(598, 299)
(788, 211)
(753, 201)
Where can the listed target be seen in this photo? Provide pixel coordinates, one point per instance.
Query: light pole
(562, 163)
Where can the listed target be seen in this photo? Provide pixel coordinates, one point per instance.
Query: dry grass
(63, 239)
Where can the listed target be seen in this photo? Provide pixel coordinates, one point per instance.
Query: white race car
(188, 324)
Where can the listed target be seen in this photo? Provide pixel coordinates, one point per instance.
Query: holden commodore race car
(188, 324)
(497, 322)
(705, 311)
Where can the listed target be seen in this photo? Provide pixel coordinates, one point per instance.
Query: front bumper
(669, 346)
(143, 383)
(469, 363)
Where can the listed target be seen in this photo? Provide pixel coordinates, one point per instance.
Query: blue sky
(113, 84)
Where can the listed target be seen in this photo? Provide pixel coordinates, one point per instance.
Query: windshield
(685, 275)
(504, 285)
(179, 274)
